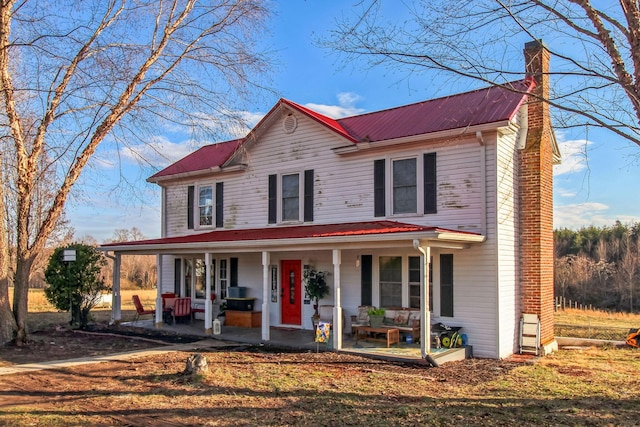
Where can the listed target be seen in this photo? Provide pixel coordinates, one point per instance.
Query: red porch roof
(292, 232)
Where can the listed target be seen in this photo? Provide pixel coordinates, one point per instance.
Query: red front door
(290, 287)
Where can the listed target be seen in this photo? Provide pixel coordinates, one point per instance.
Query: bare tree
(136, 270)
(74, 75)
(628, 266)
(595, 50)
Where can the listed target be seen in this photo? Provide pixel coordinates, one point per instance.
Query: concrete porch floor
(304, 339)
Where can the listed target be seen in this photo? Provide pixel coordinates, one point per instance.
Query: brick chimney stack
(536, 199)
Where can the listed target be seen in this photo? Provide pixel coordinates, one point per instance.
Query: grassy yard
(48, 316)
(257, 386)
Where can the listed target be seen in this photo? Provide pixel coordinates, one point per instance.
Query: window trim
(426, 185)
(392, 187)
(306, 194)
(281, 178)
(217, 205)
(198, 206)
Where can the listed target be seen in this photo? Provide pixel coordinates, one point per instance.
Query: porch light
(357, 261)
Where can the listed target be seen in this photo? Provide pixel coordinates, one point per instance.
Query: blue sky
(595, 185)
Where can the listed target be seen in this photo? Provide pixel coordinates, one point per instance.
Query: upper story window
(291, 197)
(205, 205)
(405, 186)
(412, 184)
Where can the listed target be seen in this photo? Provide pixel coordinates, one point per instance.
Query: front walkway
(303, 339)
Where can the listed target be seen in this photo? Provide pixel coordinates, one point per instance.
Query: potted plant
(376, 316)
(316, 287)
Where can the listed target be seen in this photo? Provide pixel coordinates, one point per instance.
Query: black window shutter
(446, 285)
(379, 188)
(430, 189)
(234, 271)
(219, 204)
(366, 279)
(308, 195)
(177, 275)
(190, 193)
(273, 194)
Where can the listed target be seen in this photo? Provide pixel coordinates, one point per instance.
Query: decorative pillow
(169, 303)
(363, 317)
(402, 317)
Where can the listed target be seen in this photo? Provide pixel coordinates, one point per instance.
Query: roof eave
(198, 173)
(450, 133)
(447, 239)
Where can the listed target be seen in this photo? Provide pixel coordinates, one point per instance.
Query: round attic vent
(289, 123)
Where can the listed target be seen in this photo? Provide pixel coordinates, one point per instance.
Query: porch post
(208, 323)
(337, 307)
(116, 304)
(159, 291)
(183, 273)
(425, 314)
(266, 291)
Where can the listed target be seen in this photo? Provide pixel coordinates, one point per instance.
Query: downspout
(425, 314)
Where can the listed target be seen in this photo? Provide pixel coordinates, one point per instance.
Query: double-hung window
(291, 197)
(405, 186)
(411, 184)
(205, 206)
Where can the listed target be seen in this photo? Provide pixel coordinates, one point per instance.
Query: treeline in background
(599, 266)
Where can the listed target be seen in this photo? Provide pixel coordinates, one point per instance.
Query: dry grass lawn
(253, 386)
(258, 386)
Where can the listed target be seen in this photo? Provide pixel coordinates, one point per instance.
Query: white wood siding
(484, 275)
(507, 234)
(343, 185)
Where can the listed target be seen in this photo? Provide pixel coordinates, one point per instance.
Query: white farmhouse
(444, 206)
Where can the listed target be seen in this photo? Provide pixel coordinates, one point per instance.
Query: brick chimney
(536, 199)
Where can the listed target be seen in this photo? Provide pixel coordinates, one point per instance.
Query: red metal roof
(207, 157)
(489, 105)
(291, 232)
(332, 124)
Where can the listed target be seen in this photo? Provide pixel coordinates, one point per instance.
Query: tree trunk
(7, 321)
(21, 298)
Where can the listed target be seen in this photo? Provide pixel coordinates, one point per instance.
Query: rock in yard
(196, 365)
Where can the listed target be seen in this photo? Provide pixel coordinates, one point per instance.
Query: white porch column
(425, 315)
(159, 291)
(337, 307)
(116, 303)
(208, 309)
(266, 295)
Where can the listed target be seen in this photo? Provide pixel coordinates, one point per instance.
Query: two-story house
(444, 205)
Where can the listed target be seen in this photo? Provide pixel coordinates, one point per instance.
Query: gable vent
(289, 123)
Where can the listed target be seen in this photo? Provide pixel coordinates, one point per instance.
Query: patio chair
(182, 308)
(140, 310)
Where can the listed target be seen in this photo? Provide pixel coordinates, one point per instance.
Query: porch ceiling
(280, 238)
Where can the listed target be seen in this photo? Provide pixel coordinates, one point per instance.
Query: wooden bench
(392, 335)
